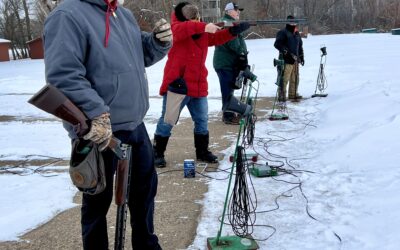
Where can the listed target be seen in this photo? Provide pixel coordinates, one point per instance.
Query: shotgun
(262, 22)
(53, 101)
(122, 186)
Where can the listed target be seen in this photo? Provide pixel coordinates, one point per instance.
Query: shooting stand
(237, 242)
(279, 111)
(322, 83)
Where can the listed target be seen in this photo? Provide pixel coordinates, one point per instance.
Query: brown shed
(4, 47)
(36, 48)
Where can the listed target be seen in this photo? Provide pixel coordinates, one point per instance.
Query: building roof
(35, 39)
(4, 41)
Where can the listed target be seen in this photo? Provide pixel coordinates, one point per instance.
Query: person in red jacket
(186, 70)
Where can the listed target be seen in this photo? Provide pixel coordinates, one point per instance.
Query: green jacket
(225, 56)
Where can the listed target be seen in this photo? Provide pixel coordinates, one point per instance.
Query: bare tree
(13, 27)
(22, 20)
(7, 25)
(44, 7)
(27, 20)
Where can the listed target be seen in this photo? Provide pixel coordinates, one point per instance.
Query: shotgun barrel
(122, 186)
(263, 22)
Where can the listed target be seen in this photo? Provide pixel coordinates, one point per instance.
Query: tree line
(22, 20)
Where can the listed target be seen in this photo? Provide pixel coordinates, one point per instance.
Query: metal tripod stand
(322, 83)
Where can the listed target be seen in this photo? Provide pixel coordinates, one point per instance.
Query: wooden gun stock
(53, 101)
(122, 186)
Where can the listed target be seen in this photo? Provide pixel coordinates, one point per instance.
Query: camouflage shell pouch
(87, 170)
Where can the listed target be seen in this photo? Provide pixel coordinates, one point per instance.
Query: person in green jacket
(229, 59)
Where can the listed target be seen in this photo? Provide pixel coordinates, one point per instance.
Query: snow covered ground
(341, 151)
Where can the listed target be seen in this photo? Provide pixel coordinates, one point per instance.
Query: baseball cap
(232, 6)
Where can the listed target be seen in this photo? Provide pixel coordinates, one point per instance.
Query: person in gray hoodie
(96, 55)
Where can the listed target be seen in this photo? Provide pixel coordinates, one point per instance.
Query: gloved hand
(100, 131)
(294, 57)
(301, 60)
(162, 31)
(239, 28)
(211, 28)
(241, 62)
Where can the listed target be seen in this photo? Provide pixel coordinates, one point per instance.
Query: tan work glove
(100, 131)
(162, 31)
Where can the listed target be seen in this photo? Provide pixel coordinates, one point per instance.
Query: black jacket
(289, 43)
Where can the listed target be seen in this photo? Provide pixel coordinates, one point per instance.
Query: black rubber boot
(159, 146)
(202, 153)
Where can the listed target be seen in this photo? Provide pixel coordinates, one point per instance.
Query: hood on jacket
(110, 7)
(178, 11)
(100, 3)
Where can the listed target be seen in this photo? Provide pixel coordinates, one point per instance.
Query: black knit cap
(289, 18)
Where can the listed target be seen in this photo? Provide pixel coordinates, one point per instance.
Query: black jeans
(141, 198)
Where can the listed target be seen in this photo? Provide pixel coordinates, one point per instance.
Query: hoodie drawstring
(110, 10)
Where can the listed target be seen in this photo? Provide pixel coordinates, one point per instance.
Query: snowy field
(341, 152)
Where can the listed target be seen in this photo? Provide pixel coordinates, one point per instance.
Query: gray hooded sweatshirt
(97, 78)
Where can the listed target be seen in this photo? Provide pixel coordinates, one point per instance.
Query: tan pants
(291, 75)
(173, 107)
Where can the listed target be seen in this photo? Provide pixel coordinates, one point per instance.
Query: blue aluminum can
(189, 168)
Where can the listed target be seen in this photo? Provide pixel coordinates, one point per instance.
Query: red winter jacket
(187, 56)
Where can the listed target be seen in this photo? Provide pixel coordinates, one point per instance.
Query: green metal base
(263, 171)
(319, 95)
(278, 117)
(231, 243)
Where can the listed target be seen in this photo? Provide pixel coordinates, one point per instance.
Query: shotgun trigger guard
(118, 148)
(120, 152)
(124, 148)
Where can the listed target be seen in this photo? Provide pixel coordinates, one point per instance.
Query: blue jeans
(226, 79)
(143, 189)
(198, 108)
